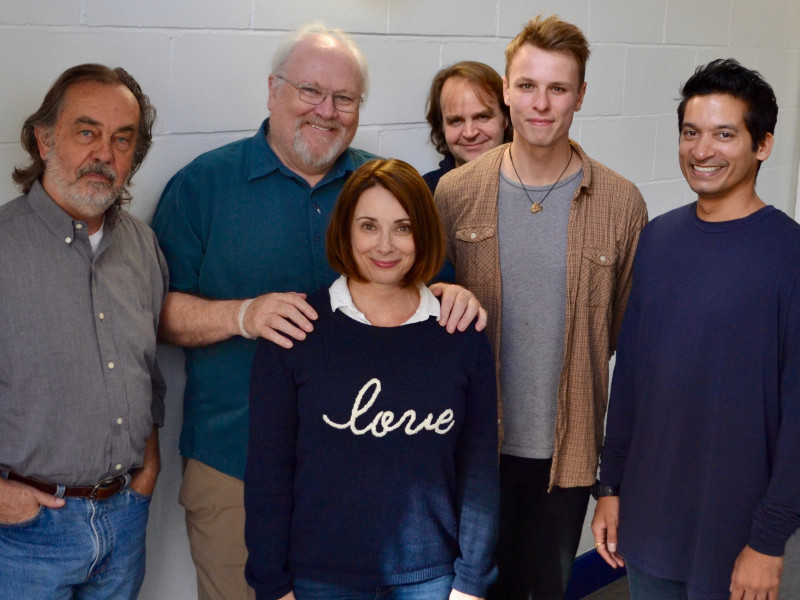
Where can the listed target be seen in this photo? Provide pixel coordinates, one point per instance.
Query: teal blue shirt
(237, 223)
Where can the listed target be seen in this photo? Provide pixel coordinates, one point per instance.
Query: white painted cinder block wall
(204, 64)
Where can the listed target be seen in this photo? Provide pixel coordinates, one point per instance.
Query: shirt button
(119, 421)
(473, 235)
(118, 467)
(602, 259)
(111, 365)
(101, 316)
(68, 240)
(78, 226)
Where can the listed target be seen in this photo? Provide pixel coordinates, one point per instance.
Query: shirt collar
(342, 300)
(57, 220)
(586, 182)
(264, 161)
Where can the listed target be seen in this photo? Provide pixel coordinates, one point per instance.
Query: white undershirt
(342, 300)
(95, 238)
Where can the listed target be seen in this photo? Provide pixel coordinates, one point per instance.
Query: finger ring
(598, 544)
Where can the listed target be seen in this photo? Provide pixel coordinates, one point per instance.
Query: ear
(765, 147)
(506, 98)
(581, 95)
(44, 139)
(271, 91)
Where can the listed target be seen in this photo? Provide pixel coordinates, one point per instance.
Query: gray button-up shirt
(79, 386)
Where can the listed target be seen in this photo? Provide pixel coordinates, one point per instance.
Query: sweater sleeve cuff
(771, 529)
(471, 588)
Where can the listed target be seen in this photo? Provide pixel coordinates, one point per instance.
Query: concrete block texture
(653, 77)
(763, 24)
(354, 16)
(639, 22)
(400, 72)
(230, 14)
(623, 144)
(605, 81)
(689, 22)
(443, 17)
(42, 12)
(219, 81)
(35, 57)
(514, 14)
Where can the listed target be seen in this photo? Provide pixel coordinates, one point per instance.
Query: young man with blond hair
(545, 237)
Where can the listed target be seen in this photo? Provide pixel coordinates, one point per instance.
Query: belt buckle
(103, 485)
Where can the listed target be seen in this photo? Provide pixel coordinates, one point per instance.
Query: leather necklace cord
(537, 206)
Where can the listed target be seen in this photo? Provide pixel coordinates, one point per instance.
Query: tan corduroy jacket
(605, 219)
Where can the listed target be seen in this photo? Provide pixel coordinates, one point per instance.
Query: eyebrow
(364, 217)
(721, 126)
(488, 112)
(90, 121)
(523, 79)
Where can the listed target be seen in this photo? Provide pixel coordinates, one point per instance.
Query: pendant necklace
(537, 206)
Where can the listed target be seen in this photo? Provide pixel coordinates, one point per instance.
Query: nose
(102, 150)
(326, 109)
(702, 148)
(470, 131)
(385, 243)
(540, 101)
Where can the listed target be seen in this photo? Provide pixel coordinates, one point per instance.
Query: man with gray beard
(81, 290)
(243, 230)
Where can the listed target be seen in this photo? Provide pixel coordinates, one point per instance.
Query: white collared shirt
(342, 300)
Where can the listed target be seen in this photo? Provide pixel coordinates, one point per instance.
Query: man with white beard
(243, 230)
(81, 290)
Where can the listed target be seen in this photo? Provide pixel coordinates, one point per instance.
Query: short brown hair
(53, 104)
(404, 183)
(554, 35)
(486, 83)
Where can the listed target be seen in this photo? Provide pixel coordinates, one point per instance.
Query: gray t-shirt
(533, 263)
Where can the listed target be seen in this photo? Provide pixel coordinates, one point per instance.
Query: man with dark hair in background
(701, 450)
(467, 115)
(80, 392)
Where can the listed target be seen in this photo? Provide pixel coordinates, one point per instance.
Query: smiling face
(472, 124)
(381, 238)
(88, 153)
(307, 138)
(715, 150)
(543, 91)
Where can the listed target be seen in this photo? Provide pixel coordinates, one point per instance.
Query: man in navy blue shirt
(243, 230)
(699, 465)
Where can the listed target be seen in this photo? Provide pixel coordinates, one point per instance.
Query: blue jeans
(85, 550)
(433, 589)
(644, 586)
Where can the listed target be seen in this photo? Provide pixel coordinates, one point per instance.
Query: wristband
(601, 491)
(242, 310)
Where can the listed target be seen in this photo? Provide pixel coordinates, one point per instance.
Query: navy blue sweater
(703, 429)
(372, 457)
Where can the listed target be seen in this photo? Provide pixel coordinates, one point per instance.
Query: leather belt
(100, 491)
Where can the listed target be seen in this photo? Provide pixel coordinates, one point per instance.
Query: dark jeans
(539, 532)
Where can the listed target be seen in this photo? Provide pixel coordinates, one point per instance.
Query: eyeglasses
(313, 94)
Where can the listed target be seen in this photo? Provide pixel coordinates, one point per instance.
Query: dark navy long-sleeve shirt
(703, 429)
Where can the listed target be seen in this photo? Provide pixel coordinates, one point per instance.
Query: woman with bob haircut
(372, 460)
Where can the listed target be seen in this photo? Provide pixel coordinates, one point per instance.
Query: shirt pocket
(474, 254)
(598, 276)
